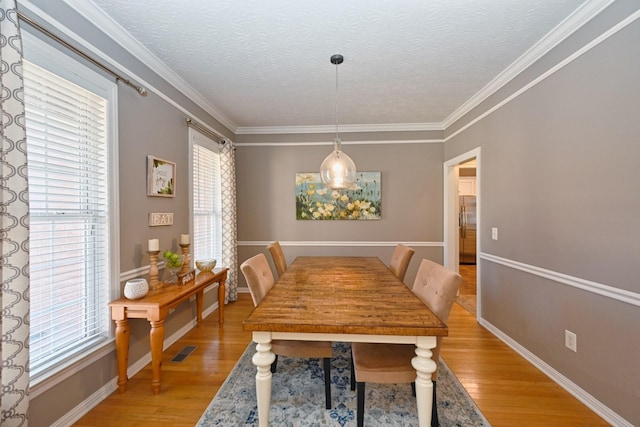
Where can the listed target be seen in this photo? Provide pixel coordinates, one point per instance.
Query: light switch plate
(570, 340)
(494, 233)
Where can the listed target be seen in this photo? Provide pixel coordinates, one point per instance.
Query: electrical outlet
(494, 233)
(570, 340)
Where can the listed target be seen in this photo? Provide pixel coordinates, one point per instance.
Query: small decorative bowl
(136, 288)
(205, 264)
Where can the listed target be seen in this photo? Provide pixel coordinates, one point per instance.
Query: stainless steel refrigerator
(467, 225)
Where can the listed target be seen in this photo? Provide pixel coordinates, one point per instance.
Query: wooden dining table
(348, 299)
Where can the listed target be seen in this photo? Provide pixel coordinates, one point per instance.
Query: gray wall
(560, 182)
(412, 186)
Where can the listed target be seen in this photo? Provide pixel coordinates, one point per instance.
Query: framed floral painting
(315, 202)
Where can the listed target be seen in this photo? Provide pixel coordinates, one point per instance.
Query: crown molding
(569, 59)
(572, 23)
(102, 21)
(388, 127)
(112, 29)
(329, 143)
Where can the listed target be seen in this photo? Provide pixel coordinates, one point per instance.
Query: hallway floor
(467, 297)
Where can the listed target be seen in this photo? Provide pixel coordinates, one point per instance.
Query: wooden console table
(154, 307)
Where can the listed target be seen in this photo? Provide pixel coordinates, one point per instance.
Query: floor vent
(184, 353)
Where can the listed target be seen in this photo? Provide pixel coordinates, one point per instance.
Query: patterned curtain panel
(229, 219)
(14, 225)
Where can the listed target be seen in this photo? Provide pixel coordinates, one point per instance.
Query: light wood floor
(469, 279)
(509, 391)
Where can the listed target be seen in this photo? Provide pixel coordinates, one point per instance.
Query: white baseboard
(106, 390)
(594, 404)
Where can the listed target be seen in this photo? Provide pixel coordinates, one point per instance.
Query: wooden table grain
(154, 307)
(351, 299)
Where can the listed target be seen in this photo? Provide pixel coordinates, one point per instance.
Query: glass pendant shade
(338, 171)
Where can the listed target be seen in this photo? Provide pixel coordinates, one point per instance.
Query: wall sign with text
(158, 219)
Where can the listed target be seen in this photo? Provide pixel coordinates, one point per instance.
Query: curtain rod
(221, 139)
(142, 91)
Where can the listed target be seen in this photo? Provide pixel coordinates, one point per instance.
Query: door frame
(450, 227)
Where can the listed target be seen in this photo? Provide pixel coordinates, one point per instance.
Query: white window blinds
(207, 206)
(69, 230)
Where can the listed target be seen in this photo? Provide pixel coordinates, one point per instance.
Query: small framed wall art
(161, 177)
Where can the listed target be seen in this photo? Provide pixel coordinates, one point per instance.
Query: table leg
(156, 336)
(263, 360)
(221, 297)
(424, 367)
(199, 299)
(122, 350)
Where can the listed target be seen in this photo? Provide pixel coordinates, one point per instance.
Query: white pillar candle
(184, 239)
(154, 244)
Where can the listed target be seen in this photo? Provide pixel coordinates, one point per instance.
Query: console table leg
(156, 336)
(122, 351)
(199, 303)
(221, 297)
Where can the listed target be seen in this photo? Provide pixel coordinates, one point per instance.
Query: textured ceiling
(266, 62)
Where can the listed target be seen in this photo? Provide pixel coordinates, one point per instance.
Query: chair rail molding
(617, 294)
(343, 243)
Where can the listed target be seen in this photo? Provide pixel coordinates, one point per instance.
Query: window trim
(64, 65)
(206, 142)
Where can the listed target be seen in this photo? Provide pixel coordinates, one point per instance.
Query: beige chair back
(278, 258)
(257, 272)
(400, 260)
(437, 287)
(260, 279)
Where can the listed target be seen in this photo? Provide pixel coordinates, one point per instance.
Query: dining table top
(343, 295)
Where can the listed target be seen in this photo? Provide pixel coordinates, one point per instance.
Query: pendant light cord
(337, 60)
(337, 137)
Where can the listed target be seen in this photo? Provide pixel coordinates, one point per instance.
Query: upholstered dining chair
(437, 287)
(400, 260)
(260, 280)
(278, 257)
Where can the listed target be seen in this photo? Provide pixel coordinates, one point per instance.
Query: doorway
(462, 222)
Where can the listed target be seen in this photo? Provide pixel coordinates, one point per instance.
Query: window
(206, 206)
(69, 158)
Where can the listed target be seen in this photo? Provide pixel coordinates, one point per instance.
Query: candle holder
(185, 259)
(154, 283)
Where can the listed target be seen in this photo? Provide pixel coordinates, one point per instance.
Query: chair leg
(274, 365)
(434, 409)
(360, 410)
(353, 374)
(327, 382)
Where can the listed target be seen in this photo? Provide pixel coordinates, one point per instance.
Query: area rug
(297, 397)
(468, 302)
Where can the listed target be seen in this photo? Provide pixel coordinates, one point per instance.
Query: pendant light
(338, 171)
